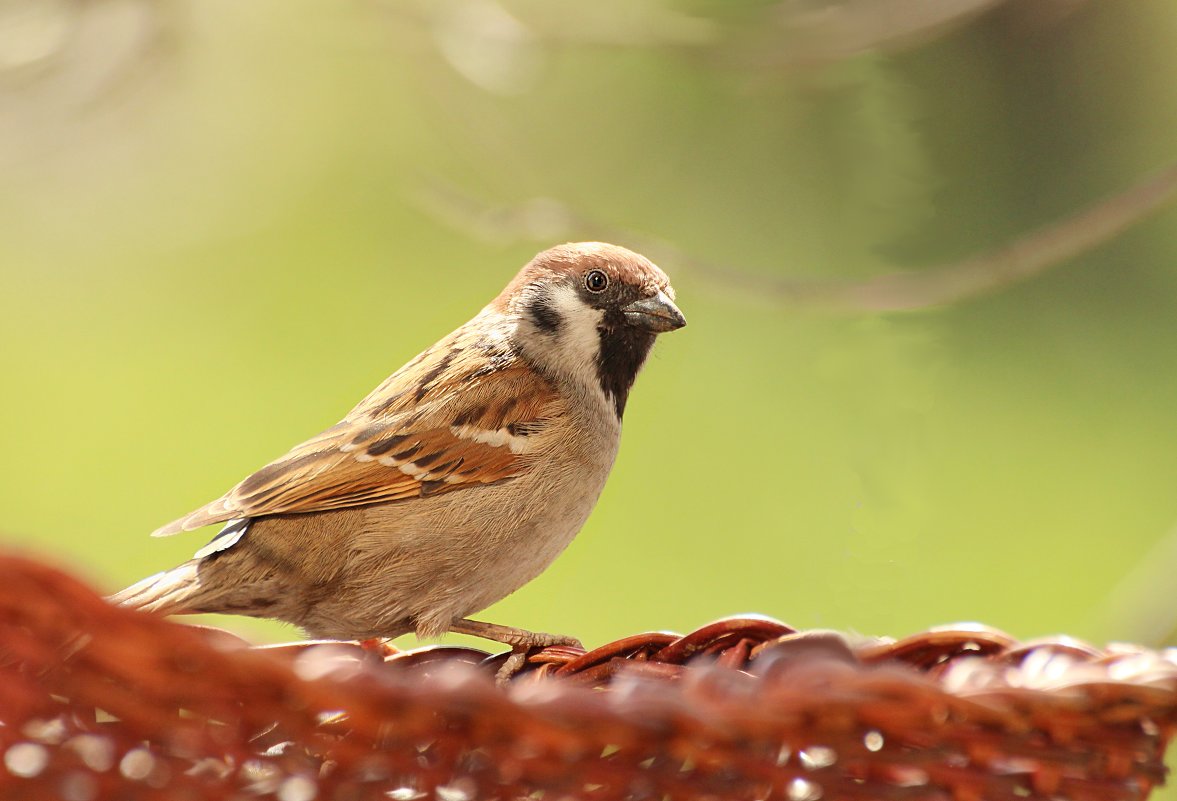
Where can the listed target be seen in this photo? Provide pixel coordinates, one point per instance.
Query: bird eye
(596, 281)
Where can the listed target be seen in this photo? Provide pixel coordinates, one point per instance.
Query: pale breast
(424, 563)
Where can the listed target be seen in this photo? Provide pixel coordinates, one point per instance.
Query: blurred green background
(222, 223)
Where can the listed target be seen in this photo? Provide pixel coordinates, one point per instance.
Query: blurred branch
(629, 24)
(501, 47)
(546, 219)
(828, 32)
(69, 66)
(1029, 256)
(62, 50)
(831, 32)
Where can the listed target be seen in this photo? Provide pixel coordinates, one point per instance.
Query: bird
(456, 481)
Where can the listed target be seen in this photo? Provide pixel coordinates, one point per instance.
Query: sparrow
(453, 483)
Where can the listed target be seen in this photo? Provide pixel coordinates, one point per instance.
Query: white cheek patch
(578, 339)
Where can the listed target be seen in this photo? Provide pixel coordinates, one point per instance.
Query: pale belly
(419, 566)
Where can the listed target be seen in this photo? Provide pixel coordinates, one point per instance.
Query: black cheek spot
(544, 315)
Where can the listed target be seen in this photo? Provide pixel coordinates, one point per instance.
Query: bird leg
(520, 640)
(508, 635)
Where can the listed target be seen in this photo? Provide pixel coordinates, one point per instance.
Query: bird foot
(510, 668)
(522, 643)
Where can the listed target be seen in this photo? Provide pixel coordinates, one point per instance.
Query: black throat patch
(623, 350)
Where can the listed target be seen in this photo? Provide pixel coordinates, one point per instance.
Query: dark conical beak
(655, 314)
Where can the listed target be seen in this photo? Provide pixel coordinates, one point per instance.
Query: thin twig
(1025, 258)
(783, 35)
(546, 219)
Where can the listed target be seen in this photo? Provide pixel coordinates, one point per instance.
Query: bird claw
(511, 667)
(522, 642)
(524, 647)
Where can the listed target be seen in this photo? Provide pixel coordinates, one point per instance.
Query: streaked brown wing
(458, 424)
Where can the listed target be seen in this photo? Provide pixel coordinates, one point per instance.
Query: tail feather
(168, 593)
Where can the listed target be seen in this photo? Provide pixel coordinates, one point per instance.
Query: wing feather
(442, 423)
